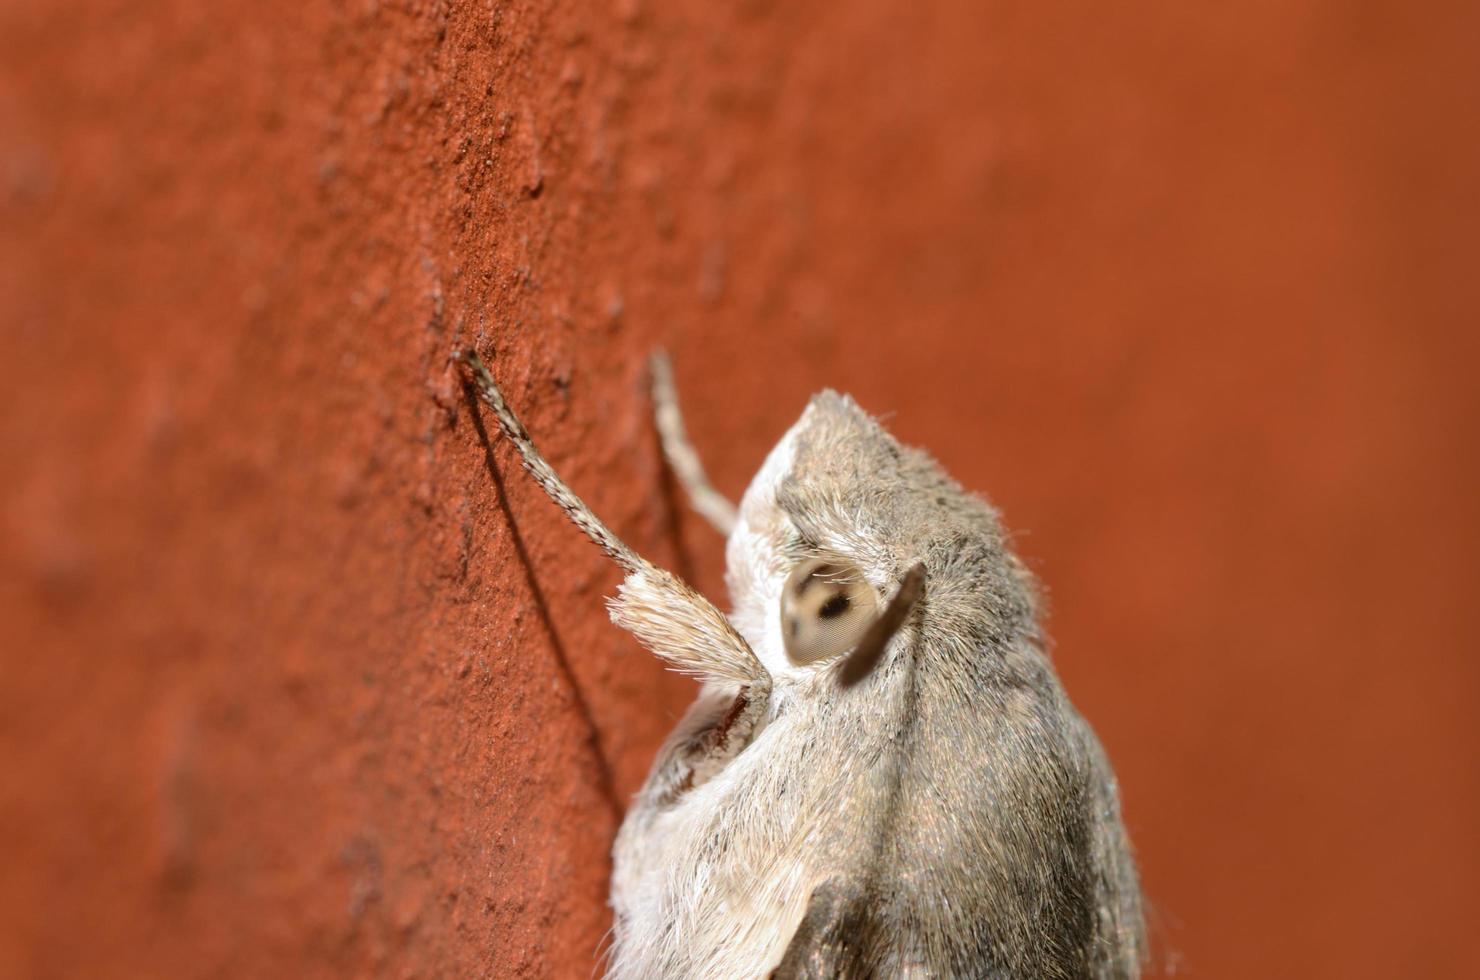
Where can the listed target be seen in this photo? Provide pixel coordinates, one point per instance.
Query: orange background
(294, 682)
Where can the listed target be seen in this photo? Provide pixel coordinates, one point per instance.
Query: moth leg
(667, 616)
(710, 504)
(716, 728)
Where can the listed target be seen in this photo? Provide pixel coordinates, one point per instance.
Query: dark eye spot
(818, 574)
(795, 625)
(834, 607)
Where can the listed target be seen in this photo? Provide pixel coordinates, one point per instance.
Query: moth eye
(825, 609)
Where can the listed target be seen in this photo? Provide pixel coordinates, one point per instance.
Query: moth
(881, 775)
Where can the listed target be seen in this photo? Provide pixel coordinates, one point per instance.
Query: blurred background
(297, 678)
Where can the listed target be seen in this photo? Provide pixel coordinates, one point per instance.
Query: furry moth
(881, 775)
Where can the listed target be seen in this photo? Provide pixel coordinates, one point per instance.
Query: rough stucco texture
(299, 680)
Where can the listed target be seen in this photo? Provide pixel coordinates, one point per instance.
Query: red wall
(291, 685)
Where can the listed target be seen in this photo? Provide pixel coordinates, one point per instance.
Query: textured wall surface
(298, 679)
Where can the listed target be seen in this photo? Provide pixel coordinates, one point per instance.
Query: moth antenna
(682, 458)
(870, 650)
(657, 607)
(544, 474)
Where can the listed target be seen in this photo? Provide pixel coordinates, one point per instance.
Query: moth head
(828, 532)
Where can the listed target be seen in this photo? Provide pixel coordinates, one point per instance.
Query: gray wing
(834, 938)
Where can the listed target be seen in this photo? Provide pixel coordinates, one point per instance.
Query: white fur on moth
(881, 776)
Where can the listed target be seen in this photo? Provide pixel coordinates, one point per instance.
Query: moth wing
(832, 941)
